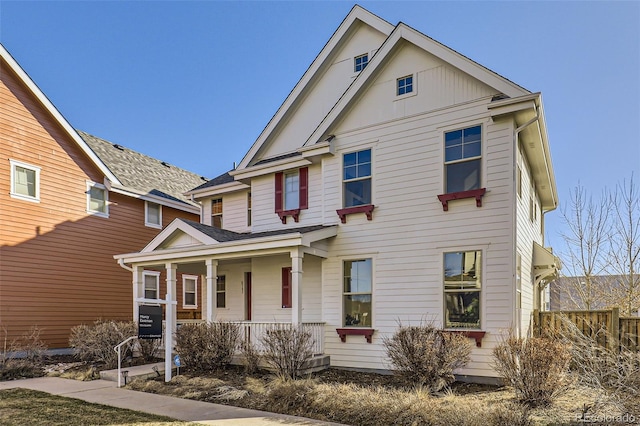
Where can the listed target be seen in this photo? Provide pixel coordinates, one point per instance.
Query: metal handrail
(118, 350)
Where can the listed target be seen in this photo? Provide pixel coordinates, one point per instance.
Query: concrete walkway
(107, 393)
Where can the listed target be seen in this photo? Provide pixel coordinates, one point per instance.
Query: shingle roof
(218, 180)
(143, 173)
(223, 235)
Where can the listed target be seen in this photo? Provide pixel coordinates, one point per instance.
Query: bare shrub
(149, 348)
(615, 375)
(427, 356)
(95, 343)
(207, 346)
(537, 368)
(250, 357)
(287, 350)
(22, 357)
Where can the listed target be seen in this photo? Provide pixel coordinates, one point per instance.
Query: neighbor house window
(25, 181)
(151, 284)
(357, 279)
(356, 177)
(249, 209)
(216, 213)
(462, 286)
(463, 150)
(221, 292)
(189, 291)
(97, 199)
(404, 85)
(359, 62)
(152, 214)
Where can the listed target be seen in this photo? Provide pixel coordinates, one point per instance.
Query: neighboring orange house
(68, 202)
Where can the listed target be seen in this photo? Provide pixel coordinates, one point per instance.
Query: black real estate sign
(150, 322)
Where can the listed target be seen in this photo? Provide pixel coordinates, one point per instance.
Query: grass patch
(28, 407)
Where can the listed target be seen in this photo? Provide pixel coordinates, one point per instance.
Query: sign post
(150, 328)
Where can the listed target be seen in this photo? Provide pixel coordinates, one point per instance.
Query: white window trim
(184, 292)
(146, 215)
(225, 292)
(482, 156)
(483, 248)
(106, 199)
(36, 169)
(373, 285)
(343, 180)
(414, 87)
(155, 274)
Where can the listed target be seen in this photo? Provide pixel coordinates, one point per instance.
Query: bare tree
(624, 252)
(586, 250)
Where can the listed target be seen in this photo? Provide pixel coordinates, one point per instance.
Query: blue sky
(194, 83)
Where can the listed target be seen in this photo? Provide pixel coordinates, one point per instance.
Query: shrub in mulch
(207, 346)
(94, 343)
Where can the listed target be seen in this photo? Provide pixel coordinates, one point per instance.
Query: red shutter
(286, 287)
(304, 188)
(278, 192)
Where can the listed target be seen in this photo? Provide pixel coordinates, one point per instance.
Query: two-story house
(68, 202)
(399, 181)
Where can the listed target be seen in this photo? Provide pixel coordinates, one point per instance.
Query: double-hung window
(221, 292)
(291, 193)
(25, 181)
(97, 199)
(151, 284)
(249, 209)
(216, 213)
(356, 178)
(152, 214)
(360, 62)
(189, 291)
(357, 284)
(463, 151)
(462, 287)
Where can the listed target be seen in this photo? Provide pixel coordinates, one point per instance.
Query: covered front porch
(260, 281)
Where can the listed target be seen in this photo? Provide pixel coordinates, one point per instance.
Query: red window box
(295, 214)
(367, 209)
(474, 193)
(344, 332)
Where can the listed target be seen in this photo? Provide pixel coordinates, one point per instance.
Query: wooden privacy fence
(604, 326)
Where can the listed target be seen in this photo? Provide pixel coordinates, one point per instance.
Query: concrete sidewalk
(106, 393)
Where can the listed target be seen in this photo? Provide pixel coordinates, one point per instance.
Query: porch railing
(251, 331)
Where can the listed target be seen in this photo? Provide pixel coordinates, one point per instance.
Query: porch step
(139, 371)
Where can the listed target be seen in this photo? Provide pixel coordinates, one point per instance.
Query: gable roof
(403, 32)
(57, 116)
(395, 35)
(357, 14)
(143, 174)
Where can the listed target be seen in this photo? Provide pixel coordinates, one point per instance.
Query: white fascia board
(118, 189)
(225, 188)
(233, 249)
(176, 225)
(268, 168)
(318, 149)
(547, 158)
(48, 105)
(357, 13)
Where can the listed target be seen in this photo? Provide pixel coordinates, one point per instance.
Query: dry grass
(20, 407)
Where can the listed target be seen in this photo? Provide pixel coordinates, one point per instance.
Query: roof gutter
(123, 266)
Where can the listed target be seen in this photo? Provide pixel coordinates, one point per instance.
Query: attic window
(359, 62)
(404, 85)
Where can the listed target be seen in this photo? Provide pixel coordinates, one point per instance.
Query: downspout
(518, 315)
(123, 266)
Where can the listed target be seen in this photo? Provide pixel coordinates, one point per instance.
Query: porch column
(171, 319)
(212, 275)
(137, 287)
(296, 286)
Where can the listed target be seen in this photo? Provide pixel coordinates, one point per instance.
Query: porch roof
(188, 241)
